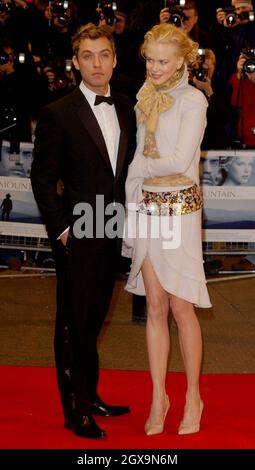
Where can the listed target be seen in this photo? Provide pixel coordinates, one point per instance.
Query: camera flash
(68, 65)
(21, 58)
(201, 51)
(182, 3)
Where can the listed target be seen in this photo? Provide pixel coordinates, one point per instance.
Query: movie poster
(228, 182)
(227, 179)
(19, 212)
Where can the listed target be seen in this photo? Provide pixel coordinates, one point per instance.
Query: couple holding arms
(88, 140)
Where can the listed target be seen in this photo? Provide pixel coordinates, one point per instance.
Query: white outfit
(178, 137)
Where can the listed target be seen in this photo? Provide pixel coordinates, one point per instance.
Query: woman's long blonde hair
(169, 34)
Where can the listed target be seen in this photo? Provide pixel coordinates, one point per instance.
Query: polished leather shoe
(85, 426)
(102, 409)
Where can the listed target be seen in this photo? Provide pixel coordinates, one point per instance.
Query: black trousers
(85, 280)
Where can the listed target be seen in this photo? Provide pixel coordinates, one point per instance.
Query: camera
(177, 15)
(59, 66)
(7, 6)
(199, 72)
(249, 64)
(5, 57)
(59, 8)
(108, 10)
(232, 16)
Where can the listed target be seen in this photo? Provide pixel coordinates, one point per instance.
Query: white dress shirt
(106, 117)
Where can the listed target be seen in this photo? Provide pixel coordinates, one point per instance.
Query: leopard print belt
(180, 202)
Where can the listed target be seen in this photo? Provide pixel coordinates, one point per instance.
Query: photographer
(203, 72)
(62, 22)
(218, 95)
(21, 21)
(55, 61)
(230, 39)
(116, 16)
(231, 17)
(20, 93)
(189, 22)
(243, 101)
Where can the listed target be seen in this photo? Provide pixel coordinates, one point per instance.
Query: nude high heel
(189, 427)
(151, 429)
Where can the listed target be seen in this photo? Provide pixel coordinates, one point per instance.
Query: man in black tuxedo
(86, 140)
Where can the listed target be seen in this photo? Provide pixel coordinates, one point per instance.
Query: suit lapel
(90, 123)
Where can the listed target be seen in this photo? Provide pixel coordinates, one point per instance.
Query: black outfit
(69, 145)
(200, 36)
(217, 131)
(227, 44)
(20, 94)
(125, 75)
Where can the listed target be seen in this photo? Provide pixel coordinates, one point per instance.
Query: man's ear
(114, 61)
(75, 63)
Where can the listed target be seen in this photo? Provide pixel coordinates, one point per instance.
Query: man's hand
(239, 65)
(220, 16)
(205, 87)
(64, 237)
(22, 4)
(164, 15)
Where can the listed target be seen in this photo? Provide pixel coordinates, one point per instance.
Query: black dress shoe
(85, 426)
(102, 409)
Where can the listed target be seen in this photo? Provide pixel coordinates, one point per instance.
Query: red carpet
(30, 413)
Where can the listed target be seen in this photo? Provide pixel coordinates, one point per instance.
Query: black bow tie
(103, 99)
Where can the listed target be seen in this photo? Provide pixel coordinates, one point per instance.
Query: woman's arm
(190, 136)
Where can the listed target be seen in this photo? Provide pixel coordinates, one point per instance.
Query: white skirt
(173, 245)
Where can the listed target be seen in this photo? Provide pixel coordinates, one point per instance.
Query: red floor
(31, 417)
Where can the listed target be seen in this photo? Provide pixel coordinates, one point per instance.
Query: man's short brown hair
(91, 31)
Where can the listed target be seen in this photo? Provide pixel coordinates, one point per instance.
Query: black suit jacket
(69, 145)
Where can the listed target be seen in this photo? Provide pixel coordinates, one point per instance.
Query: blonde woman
(236, 170)
(163, 187)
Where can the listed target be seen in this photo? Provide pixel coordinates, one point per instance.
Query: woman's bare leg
(157, 334)
(190, 339)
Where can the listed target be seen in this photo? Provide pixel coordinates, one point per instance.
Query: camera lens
(201, 74)
(249, 65)
(176, 20)
(63, 19)
(60, 8)
(231, 19)
(4, 58)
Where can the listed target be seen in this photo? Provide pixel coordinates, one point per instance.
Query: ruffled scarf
(152, 101)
